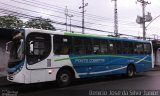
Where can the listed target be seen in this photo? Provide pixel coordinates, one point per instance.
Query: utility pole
(70, 17)
(144, 3)
(115, 18)
(66, 14)
(83, 11)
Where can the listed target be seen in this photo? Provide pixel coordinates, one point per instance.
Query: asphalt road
(143, 84)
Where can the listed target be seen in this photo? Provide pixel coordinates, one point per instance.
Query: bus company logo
(89, 60)
(9, 93)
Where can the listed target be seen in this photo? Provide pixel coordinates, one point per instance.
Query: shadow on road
(29, 88)
(103, 79)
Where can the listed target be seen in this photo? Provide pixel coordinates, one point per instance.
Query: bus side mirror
(8, 46)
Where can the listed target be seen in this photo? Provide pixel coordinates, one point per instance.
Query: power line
(96, 18)
(50, 7)
(55, 22)
(29, 16)
(62, 17)
(72, 11)
(53, 15)
(38, 12)
(73, 20)
(49, 14)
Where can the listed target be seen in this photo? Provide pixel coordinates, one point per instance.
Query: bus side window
(138, 48)
(62, 44)
(118, 47)
(147, 48)
(104, 46)
(88, 45)
(79, 45)
(127, 47)
(112, 47)
(96, 46)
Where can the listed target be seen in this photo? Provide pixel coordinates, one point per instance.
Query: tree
(40, 23)
(9, 21)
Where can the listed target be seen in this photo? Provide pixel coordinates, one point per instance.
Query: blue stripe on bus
(15, 68)
(104, 65)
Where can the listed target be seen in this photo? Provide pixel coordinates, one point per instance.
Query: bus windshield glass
(16, 47)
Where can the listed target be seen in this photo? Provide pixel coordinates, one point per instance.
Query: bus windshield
(16, 49)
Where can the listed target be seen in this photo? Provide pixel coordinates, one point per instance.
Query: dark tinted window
(104, 47)
(147, 48)
(127, 47)
(96, 46)
(88, 45)
(118, 47)
(79, 45)
(62, 44)
(112, 47)
(138, 48)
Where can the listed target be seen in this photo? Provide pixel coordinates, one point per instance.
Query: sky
(99, 14)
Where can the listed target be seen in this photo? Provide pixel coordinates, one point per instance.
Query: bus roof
(83, 35)
(104, 37)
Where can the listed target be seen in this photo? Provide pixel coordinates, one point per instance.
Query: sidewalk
(156, 68)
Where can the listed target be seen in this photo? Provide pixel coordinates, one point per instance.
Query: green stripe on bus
(102, 37)
(86, 35)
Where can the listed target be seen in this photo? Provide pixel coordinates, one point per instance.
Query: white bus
(38, 55)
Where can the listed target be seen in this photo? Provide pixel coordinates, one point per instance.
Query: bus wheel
(130, 71)
(63, 78)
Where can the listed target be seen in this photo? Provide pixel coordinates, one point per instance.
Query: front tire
(63, 78)
(130, 71)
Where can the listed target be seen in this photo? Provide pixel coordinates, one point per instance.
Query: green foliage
(9, 21)
(40, 23)
(13, 22)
